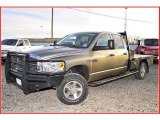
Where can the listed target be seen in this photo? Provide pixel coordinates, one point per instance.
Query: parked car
(17, 45)
(148, 46)
(71, 67)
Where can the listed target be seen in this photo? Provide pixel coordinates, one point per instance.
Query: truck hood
(7, 47)
(54, 52)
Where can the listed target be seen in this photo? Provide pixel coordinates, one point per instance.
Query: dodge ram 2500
(75, 62)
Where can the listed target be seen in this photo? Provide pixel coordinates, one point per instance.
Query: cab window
(119, 43)
(20, 43)
(26, 42)
(103, 41)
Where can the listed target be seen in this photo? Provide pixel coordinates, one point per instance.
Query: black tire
(72, 80)
(141, 71)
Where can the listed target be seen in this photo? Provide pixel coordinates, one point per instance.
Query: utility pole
(125, 23)
(52, 25)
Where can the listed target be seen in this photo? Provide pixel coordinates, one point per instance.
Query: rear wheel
(141, 71)
(73, 89)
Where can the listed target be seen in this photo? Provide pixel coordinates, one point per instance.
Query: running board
(105, 81)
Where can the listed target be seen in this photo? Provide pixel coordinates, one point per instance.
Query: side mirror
(138, 42)
(111, 44)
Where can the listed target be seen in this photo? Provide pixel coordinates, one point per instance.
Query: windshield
(81, 40)
(11, 42)
(151, 42)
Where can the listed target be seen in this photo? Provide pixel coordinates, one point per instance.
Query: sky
(36, 22)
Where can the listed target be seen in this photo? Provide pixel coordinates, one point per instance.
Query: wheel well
(146, 62)
(80, 69)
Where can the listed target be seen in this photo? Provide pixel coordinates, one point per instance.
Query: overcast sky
(36, 22)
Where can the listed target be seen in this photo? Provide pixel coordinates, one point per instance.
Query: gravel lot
(125, 95)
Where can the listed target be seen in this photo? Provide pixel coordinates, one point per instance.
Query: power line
(110, 16)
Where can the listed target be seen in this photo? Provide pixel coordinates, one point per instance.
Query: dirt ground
(125, 95)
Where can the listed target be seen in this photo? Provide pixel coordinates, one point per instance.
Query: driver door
(102, 59)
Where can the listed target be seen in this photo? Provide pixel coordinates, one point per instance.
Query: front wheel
(141, 71)
(73, 89)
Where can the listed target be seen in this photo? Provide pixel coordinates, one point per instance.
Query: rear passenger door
(121, 54)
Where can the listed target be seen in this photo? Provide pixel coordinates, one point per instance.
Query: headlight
(52, 67)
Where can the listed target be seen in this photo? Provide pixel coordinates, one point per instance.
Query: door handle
(124, 53)
(112, 55)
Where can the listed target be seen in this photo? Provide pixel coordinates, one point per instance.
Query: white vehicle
(17, 45)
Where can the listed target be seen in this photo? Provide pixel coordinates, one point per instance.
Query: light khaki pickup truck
(75, 62)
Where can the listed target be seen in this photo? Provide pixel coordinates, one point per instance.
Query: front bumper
(19, 71)
(155, 56)
(33, 83)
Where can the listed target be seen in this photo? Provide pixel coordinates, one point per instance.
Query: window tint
(103, 41)
(118, 41)
(81, 40)
(9, 42)
(151, 42)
